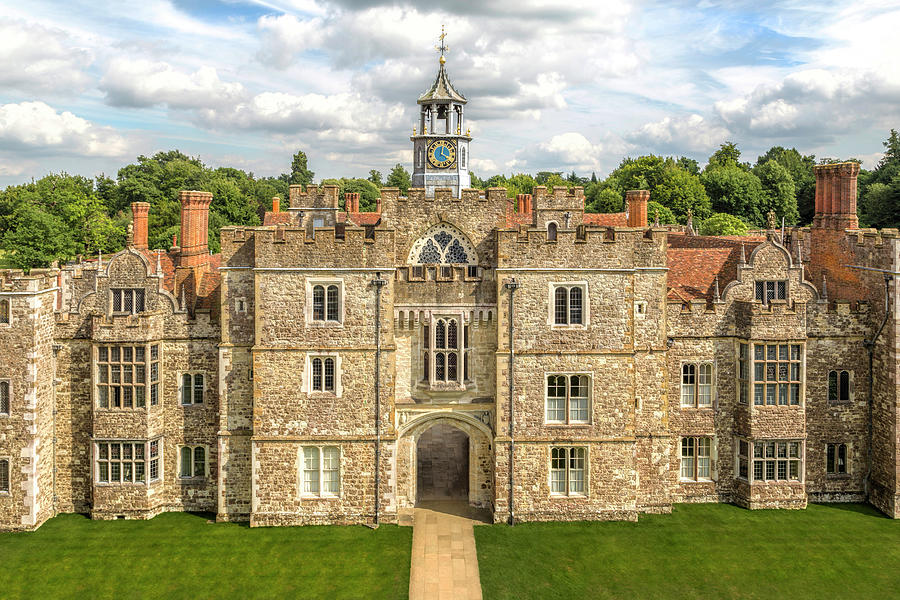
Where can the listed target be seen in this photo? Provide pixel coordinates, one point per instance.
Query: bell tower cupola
(441, 139)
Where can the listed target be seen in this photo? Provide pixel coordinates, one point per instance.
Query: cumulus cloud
(141, 83)
(284, 36)
(813, 102)
(680, 135)
(35, 58)
(562, 152)
(38, 128)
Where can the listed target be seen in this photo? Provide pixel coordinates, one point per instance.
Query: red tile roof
(606, 219)
(279, 218)
(695, 261)
(364, 218)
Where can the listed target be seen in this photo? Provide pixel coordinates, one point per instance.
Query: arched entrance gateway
(442, 464)
(444, 456)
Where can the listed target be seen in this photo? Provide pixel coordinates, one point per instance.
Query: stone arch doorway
(442, 464)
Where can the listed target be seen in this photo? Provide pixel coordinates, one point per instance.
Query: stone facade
(333, 366)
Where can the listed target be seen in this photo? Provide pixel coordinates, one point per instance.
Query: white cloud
(39, 128)
(35, 58)
(672, 135)
(284, 36)
(562, 152)
(141, 83)
(482, 166)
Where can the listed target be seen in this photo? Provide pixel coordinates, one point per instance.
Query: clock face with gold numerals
(441, 154)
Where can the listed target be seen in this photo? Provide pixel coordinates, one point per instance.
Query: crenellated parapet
(321, 197)
(585, 247)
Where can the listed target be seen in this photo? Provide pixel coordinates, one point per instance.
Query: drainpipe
(870, 347)
(379, 283)
(512, 285)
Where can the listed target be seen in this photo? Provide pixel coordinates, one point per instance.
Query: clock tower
(441, 140)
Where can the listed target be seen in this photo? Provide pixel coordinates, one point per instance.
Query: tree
(300, 174)
(735, 191)
(688, 164)
(36, 238)
(670, 185)
(778, 191)
(801, 171)
(891, 149)
(399, 178)
(728, 154)
(723, 224)
(375, 177)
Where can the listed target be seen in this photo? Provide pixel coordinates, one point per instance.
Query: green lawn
(699, 551)
(179, 555)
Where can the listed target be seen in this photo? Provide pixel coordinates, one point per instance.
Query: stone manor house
(338, 366)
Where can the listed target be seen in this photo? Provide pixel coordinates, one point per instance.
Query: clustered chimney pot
(139, 213)
(194, 227)
(836, 196)
(637, 201)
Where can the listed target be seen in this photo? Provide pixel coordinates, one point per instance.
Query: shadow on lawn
(862, 509)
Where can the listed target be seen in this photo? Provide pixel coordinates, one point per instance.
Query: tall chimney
(276, 204)
(836, 196)
(139, 213)
(194, 228)
(527, 201)
(637, 207)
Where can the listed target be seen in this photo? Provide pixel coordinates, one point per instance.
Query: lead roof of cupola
(441, 89)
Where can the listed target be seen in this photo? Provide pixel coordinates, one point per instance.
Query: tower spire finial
(443, 46)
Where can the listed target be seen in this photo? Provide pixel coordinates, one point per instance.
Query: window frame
(431, 350)
(193, 375)
(311, 310)
(142, 394)
(834, 472)
(585, 305)
(5, 312)
(144, 461)
(568, 469)
(779, 290)
(760, 388)
(9, 470)
(695, 386)
(759, 453)
(838, 396)
(193, 463)
(6, 384)
(696, 445)
(309, 383)
(567, 401)
(134, 293)
(320, 494)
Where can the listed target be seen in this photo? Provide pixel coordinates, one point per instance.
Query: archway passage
(442, 464)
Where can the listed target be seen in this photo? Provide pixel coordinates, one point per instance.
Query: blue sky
(87, 85)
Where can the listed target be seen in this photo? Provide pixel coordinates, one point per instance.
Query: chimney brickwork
(140, 211)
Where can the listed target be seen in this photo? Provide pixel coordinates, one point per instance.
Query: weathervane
(443, 47)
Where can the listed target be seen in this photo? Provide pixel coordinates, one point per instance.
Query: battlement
(315, 196)
(14, 280)
(593, 247)
(558, 199)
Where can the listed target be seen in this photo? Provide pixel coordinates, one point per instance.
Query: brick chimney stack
(140, 211)
(194, 228)
(351, 202)
(637, 207)
(276, 204)
(836, 196)
(527, 203)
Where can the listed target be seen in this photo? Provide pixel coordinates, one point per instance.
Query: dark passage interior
(442, 464)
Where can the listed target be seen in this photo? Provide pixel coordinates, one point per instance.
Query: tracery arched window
(443, 244)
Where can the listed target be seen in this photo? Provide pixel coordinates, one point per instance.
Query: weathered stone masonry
(694, 369)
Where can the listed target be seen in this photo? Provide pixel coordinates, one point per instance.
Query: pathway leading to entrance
(444, 562)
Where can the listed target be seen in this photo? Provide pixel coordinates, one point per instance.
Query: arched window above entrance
(443, 244)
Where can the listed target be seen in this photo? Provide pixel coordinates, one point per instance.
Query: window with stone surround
(568, 303)
(568, 398)
(743, 388)
(322, 374)
(743, 461)
(568, 468)
(127, 301)
(325, 302)
(777, 374)
(696, 384)
(192, 462)
(4, 398)
(839, 386)
(766, 291)
(153, 451)
(775, 460)
(4, 475)
(321, 471)
(124, 374)
(442, 244)
(445, 351)
(552, 229)
(192, 388)
(836, 459)
(4, 311)
(696, 459)
(121, 462)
